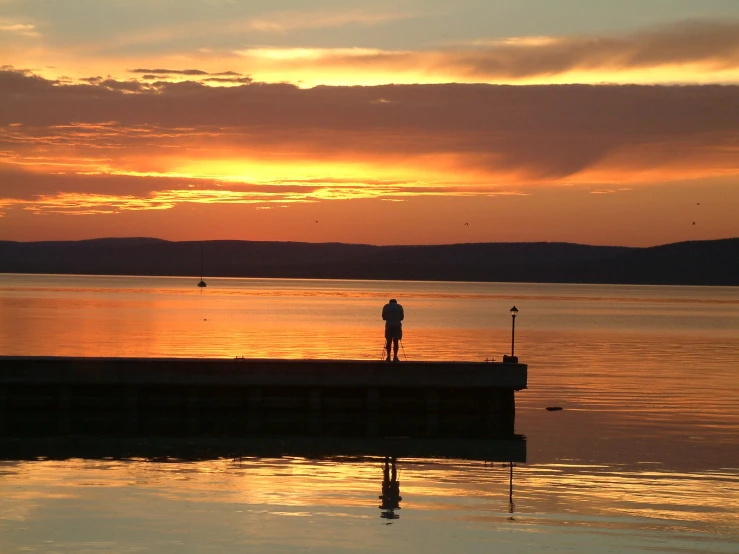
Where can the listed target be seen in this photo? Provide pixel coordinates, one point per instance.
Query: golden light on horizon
(650, 56)
(144, 121)
(295, 66)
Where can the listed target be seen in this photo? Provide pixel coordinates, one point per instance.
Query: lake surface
(644, 456)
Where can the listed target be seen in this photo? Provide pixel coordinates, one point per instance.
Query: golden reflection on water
(257, 502)
(643, 456)
(169, 316)
(655, 355)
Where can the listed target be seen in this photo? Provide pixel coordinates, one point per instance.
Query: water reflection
(351, 460)
(138, 316)
(642, 459)
(511, 506)
(328, 501)
(390, 490)
(391, 498)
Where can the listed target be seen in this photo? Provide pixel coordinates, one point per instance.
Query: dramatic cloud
(715, 44)
(690, 52)
(387, 122)
(220, 78)
(115, 145)
(684, 52)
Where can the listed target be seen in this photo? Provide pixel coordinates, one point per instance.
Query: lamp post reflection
(390, 496)
(511, 506)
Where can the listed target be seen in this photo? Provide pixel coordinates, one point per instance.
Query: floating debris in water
(553, 408)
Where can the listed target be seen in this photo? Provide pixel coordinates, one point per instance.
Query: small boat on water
(201, 283)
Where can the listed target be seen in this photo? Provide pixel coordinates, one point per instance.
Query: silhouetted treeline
(713, 262)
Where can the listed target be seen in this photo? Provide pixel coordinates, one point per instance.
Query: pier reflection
(390, 498)
(379, 461)
(509, 449)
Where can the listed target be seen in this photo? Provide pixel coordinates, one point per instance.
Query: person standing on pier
(392, 313)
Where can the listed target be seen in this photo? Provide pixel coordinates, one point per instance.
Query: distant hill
(714, 262)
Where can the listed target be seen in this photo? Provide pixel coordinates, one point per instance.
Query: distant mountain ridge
(713, 262)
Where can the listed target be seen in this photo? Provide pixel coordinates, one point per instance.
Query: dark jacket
(392, 313)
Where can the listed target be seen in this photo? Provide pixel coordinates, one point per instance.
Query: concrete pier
(135, 397)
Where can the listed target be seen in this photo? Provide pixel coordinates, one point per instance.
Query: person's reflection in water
(390, 490)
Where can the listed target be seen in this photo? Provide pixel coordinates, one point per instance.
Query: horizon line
(368, 244)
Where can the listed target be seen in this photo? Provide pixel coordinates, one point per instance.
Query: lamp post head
(512, 358)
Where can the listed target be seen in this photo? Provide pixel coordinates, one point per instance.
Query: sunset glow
(348, 109)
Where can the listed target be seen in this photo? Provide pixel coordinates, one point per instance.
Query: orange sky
(282, 140)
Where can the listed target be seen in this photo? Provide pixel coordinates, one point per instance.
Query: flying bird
(694, 223)
(466, 223)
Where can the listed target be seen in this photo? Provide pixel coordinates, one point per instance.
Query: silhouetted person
(390, 490)
(392, 313)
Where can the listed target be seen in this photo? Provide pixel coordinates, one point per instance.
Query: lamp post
(514, 312)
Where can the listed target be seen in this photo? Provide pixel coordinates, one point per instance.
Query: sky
(417, 122)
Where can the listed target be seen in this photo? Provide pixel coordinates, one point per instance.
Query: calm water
(644, 456)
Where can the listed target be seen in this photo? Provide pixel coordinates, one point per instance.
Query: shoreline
(695, 263)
